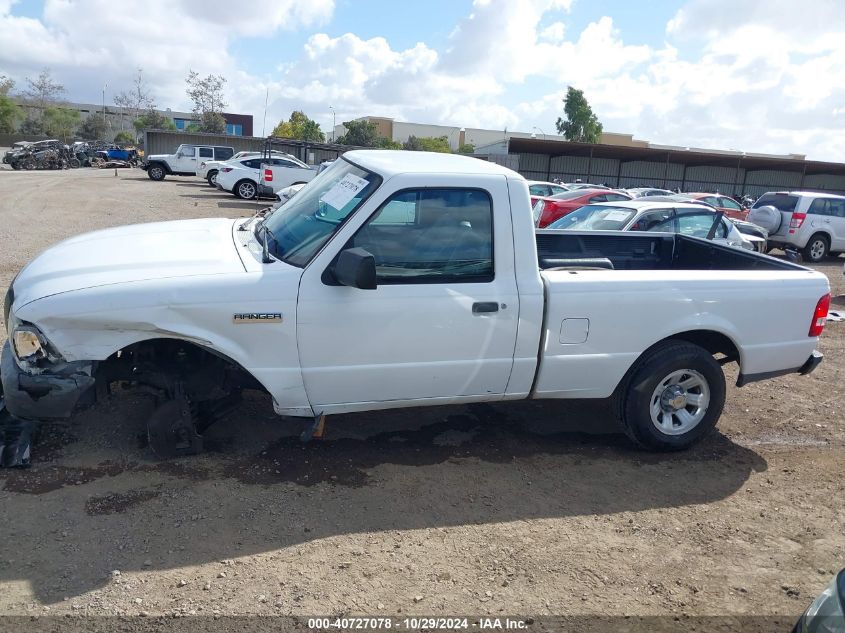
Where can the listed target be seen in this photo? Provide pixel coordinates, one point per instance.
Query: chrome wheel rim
(817, 249)
(679, 402)
(246, 190)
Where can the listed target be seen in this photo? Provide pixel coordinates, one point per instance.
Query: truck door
(441, 325)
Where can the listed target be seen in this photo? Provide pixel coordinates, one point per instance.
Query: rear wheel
(156, 172)
(211, 177)
(246, 189)
(673, 398)
(816, 249)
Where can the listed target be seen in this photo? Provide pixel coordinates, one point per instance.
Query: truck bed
(619, 250)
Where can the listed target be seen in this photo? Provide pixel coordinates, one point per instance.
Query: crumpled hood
(130, 253)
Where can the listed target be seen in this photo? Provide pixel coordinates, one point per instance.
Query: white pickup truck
(398, 279)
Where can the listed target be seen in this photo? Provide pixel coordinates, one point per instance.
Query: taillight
(797, 220)
(226, 170)
(820, 316)
(268, 175)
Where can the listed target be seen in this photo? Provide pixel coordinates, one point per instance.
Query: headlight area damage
(192, 387)
(36, 385)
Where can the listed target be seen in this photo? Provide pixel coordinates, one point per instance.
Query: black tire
(29, 165)
(645, 388)
(156, 172)
(74, 163)
(816, 249)
(211, 177)
(16, 166)
(245, 189)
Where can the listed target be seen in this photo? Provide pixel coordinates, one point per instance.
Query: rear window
(570, 195)
(780, 201)
(595, 217)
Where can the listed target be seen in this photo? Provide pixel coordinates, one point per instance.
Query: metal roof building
(639, 163)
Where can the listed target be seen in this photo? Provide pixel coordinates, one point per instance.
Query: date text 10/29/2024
(418, 623)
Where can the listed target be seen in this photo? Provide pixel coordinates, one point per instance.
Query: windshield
(300, 228)
(595, 217)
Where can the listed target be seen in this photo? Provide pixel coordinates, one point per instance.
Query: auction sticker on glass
(346, 189)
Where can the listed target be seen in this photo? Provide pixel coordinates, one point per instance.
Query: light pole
(104, 106)
(334, 121)
(534, 134)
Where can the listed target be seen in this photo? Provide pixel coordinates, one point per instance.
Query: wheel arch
(713, 341)
(161, 164)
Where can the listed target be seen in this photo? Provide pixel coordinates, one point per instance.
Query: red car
(547, 209)
(725, 204)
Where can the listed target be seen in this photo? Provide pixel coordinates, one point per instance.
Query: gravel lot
(530, 509)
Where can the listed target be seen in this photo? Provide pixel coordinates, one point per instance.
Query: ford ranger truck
(402, 279)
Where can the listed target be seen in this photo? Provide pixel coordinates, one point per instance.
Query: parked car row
(246, 175)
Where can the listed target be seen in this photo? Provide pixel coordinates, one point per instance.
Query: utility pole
(334, 121)
(104, 105)
(264, 125)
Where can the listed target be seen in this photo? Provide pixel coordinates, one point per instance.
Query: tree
(386, 143)
(362, 133)
(211, 123)
(299, 126)
(93, 128)
(135, 100)
(6, 85)
(206, 92)
(466, 148)
(153, 120)
(428, 144)
(124, 138)
(581, 123)
(10, 114)
(60, 122)
(43, 91)
(34, 127)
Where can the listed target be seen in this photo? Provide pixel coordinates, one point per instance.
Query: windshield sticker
(340, 195)
(617, 215)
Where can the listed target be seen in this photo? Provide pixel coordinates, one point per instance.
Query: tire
(816, 249)
(16, 166)
(246, 190)
(767, 216)
(29, 165)
(661, 385)
(74, 163)
(156, 172)
(211, 177)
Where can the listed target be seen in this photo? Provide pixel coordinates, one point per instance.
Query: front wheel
(816, 249)
(211, 177)
(246, 189)
(156, 172)
(74, 163)
(673, 398)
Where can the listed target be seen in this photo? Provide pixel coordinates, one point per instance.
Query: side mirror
(356, 268)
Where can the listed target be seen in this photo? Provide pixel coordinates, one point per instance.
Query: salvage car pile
(53, 154)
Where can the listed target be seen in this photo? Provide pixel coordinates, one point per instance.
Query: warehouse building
(636, 163)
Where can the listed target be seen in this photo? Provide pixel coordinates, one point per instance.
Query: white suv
(811, 222)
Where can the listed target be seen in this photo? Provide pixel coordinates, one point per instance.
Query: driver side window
(431, 236)
(188, 151)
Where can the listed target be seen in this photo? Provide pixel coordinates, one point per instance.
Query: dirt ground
(527, 509)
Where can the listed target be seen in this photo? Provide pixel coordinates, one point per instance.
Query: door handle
(485, 307)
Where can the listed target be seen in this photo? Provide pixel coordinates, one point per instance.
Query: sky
(750, 75)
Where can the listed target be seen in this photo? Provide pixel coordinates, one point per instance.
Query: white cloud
(757, 75)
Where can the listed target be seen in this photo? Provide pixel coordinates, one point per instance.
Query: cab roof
(390, 162)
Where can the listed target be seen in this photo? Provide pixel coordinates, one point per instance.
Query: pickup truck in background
(402, 279)
(185, 162)
(275, 175)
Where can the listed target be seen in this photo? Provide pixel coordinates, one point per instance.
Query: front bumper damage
(28, 398)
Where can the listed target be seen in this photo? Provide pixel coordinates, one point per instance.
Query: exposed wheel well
(167, 364)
